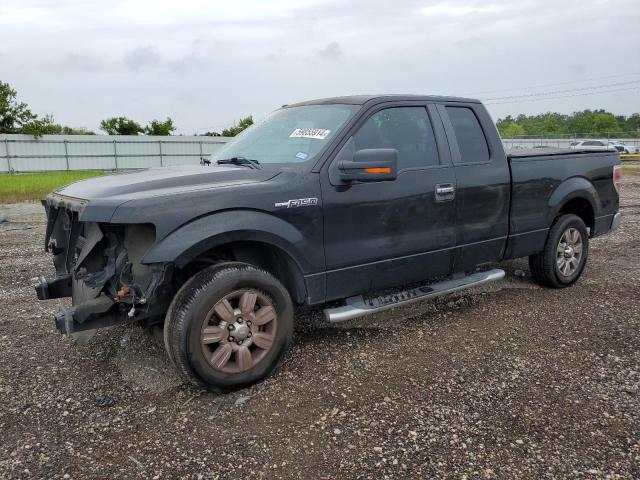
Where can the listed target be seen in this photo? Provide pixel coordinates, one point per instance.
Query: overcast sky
(208, 63)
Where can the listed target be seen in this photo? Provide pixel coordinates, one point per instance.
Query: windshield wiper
(247, 162)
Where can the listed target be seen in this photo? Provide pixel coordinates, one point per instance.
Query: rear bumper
(605, 224)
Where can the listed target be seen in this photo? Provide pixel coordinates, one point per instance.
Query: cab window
(407, 129)
(471, 140)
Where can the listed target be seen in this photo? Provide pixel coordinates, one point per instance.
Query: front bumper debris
(95, 313)
(99, 267)
(48, 288)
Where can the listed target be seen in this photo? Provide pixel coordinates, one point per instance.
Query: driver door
(390, 233)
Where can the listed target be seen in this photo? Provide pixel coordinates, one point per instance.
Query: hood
(163, 181)
(96, 199)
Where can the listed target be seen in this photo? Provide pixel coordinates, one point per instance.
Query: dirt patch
(508, 381)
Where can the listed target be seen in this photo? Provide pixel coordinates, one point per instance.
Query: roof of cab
(362, 99)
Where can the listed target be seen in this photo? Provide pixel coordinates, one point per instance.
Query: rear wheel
(228, 326)
(565, 253)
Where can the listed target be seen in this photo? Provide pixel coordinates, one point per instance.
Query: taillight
(617, 177)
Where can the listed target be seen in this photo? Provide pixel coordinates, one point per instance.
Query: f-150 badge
(298, 202)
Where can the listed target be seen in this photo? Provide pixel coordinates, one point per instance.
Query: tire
(198, 335)
(549, 267)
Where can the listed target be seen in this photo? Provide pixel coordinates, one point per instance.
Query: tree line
(17, 117)
(592, 123)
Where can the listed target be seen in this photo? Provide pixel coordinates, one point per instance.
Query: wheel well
(266, 256)
(582, 208)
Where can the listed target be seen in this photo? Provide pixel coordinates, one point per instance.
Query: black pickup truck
(326, 201)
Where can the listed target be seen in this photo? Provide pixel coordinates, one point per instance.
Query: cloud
(147, 57)
(447, 9)
(206, 64)
(577, 68)
(22, 15)
(184, 62)
(331, 52)
(83, 63)
(276, 55)
(141, 57)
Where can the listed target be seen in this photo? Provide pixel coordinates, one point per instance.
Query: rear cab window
(472, 142)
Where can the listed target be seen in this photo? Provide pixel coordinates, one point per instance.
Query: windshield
(288, 135)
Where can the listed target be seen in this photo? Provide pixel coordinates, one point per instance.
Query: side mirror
(370, 165)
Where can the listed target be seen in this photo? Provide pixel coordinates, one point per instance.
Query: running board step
(358, 306)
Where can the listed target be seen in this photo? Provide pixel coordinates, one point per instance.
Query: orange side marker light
(378, 170)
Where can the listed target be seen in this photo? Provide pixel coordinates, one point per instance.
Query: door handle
(445, 192)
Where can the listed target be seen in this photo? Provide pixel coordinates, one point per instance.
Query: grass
(20, 187)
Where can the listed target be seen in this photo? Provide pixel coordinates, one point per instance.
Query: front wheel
(565, 253)
(228, 326)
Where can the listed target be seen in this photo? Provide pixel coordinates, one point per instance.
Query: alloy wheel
(569, 252)
(239, 330)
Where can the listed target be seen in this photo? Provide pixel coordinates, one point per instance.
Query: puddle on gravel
(142, 362)
(147, 373)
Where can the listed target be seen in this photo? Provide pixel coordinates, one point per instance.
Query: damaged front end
(98, 266)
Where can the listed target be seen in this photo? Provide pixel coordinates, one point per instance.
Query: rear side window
(471, 141)
(407, 129)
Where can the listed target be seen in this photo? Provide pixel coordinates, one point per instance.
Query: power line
(571, 90)
(585, 80)
(565, 96)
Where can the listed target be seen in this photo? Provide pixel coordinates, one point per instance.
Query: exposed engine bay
(99, 266)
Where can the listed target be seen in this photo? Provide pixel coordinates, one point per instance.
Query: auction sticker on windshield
(317, 133)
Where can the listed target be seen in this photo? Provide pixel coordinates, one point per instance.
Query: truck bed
(542, 177)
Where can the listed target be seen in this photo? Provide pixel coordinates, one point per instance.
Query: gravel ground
(511, 381)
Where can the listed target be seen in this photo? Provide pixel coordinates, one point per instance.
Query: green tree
(157, 127)
(46, 126)
(511, 130)
(604, 122)
(14, 115)
(597, 123)
(76, 131)
(551, 124)
(238, 127)
(632, 124)
(121, 126)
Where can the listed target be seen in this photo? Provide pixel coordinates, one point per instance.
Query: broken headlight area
(99, 267)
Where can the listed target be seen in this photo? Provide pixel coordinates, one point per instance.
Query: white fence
(23, 153)
(559, 142)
